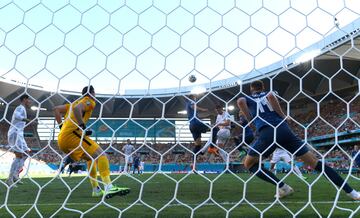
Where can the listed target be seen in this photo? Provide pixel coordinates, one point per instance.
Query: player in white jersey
(224, 125)
(282, 155)
(223, 134)
(128, 150)
(16, 138)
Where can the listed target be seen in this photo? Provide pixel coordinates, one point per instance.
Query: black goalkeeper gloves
(87, 131)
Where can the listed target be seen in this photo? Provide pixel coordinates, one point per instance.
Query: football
(192, 78)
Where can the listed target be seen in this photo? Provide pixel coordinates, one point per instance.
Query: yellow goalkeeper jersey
(70, 120)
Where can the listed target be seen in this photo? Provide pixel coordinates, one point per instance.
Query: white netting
(139, 55)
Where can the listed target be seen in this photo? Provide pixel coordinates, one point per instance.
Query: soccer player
(282, 155)
(196, 126)
(136, 164)
(128, 149)
(16, 139)
(74, 140)
(263, 109)
(223, 125)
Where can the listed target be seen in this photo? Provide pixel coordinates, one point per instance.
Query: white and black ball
(192, 78)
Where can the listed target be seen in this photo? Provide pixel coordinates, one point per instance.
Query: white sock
(14, 167)
(223, 154)
(205, 147)
(96, 189)
(18, 166)
(274, 170)
(297, 171)
(354, 194)
(285, 187)
(108, 187)
(21, 165)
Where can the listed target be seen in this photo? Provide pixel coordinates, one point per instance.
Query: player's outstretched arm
(275, 104)
(58, 112)
(241, 102)
(195, 107)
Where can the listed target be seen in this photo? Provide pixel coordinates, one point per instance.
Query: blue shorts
(196, 128)
(284, 137)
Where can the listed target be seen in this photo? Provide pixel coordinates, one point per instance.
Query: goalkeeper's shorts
(70, 142)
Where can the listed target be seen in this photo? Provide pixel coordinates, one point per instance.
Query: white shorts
(222, 136)
(17, 142)
(280, 154)
(128, 159)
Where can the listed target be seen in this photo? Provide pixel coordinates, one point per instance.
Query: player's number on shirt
(263, 102)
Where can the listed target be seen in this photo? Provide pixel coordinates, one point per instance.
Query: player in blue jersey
(357, 159)
(262, 108)
(197, 127)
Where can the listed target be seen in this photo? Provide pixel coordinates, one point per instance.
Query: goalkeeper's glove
(87, 131)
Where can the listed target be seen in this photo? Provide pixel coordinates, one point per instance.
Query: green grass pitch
(158, 190)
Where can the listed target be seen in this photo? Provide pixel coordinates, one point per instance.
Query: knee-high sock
(104, 169)
(223, 155)
(14, 166)
(266, 175)
(20, 165)
(333, 176)
(297, 170)
(205, 147)
(93, 174)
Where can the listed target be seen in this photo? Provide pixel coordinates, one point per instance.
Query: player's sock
(13, 168)
(266, 175)
(93, 174)
(223, 154)
(204, 149)
(21, 165)
(297, 171)
(354, 195)
(333, 176)
(104, 169)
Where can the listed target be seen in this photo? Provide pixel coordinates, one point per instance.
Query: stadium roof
(337, 53)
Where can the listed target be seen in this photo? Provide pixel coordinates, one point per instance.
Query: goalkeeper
(74, 140)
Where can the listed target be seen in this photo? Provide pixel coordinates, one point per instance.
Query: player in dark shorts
(136, 164)
(357, 159)
(262, 108)
(197, 127)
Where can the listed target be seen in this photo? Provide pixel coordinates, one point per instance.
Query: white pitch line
(206, 204)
